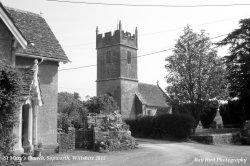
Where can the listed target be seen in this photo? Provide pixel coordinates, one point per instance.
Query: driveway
(154, 152)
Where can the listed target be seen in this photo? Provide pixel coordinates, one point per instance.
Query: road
(155, 152)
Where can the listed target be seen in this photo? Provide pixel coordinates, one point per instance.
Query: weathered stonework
(47, 113)
(27, 42)
(117, 68)
(117, 75)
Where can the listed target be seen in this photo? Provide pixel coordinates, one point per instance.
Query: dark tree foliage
(233, 114)
(71, 110)
(209, 112)
(168, 126)
(191, 109)
(238, 63)
(101, 104)
(63, 122)
(10, 97)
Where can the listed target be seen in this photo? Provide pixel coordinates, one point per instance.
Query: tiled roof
(152, 95)
(41, 40)
(27, 77)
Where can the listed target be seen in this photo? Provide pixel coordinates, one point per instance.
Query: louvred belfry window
(108, 57)
(129, 57)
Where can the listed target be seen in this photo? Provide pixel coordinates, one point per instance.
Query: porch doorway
(25, 125)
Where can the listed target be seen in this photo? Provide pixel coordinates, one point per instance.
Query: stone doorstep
(226, 138)
(49, 149)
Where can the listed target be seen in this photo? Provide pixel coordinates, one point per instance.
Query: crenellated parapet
(118, 37)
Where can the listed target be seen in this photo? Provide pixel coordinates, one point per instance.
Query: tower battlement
(118, 37)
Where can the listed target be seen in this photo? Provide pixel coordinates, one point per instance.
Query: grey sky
(74, 26)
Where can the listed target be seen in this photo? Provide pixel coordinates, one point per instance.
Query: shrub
(63, 122)
(190, 109)
(71, 111)
(7, 142)
(145, 125)
(177, 126)
(3, 160)
(208, 113)
(10, 95)
(233, 113)
(103, 104)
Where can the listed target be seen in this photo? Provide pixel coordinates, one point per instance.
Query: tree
(10, 98)
(101, 104)
(238, 63)
(69, 102)
(71, 110)
(195, 72)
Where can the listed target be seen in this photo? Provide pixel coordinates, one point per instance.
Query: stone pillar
(36, 100)
(18, 132)
(30, 124)
(35, 125)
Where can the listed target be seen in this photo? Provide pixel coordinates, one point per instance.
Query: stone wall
(66, 141)
(113, 140)
(111, 87)
(105, 133)
(116, 75)
(47, 113)
(227, 138)
(128, 70)
(108, 68)
(128, 90)
(117, 37)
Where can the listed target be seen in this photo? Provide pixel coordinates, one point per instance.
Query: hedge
(233, 114)
(191, 109)
(170, 126)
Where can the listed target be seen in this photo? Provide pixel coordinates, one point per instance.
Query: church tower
(117, 67)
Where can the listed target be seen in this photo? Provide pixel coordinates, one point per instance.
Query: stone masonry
(117, 68)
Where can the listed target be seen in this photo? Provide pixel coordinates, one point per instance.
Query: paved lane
(158, 153)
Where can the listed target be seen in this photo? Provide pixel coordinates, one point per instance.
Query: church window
(129, 57)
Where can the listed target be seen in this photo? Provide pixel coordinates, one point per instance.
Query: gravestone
(218, 120)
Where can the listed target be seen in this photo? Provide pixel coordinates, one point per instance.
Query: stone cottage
(117, 76)
(27, 42)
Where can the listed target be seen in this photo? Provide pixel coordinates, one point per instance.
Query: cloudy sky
(159, 27)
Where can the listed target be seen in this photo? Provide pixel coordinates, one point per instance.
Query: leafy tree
(63, 122)
(101, 104)
(71, 110)
(195, 72)
(238, 63)
(10, 97)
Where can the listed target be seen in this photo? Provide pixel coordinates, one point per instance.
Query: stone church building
(117, 75)
(27, 42)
